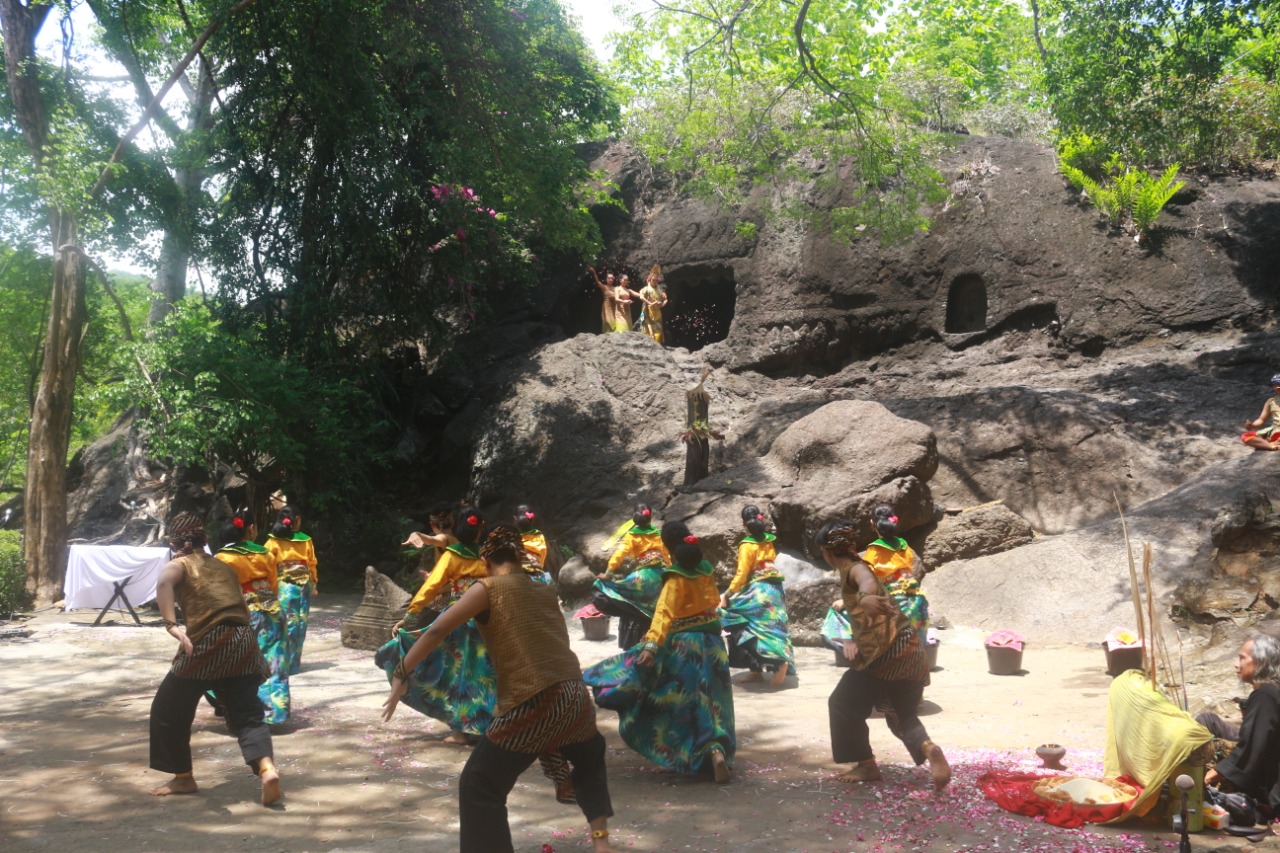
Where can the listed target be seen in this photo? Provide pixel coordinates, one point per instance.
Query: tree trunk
(46, 494)
(170, 283)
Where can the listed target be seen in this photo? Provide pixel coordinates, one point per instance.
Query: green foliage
(208, 394)
(747, 230)
(1144, 76)
(12, 573)
(727, 100)
(1152, 195)
(1127, 197)
(363, 113)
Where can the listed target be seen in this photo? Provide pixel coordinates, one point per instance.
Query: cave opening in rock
(967, 305)
(700, 307)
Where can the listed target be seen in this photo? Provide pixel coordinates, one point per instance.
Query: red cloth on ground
(1015, 792)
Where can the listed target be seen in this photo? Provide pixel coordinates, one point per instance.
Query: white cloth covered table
(92, 571)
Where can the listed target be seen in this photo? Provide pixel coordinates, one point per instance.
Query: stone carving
(383, 605)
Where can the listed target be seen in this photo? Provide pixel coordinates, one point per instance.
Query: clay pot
(1050, 755)
(1122, 659)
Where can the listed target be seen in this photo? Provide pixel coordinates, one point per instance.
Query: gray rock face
(976, 533)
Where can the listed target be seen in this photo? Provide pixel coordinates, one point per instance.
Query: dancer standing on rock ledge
(217, 651)
(887, 663)
(543, 711)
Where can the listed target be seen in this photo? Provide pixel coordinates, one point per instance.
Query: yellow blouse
(299, 550)
(453, 573)
(251, 561)
(535, 548)
(755, 562)
(683, 604)
(889, 563)
(644, 546)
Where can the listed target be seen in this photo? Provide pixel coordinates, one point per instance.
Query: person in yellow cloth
(217, 651)
(295, 556)
(255, 568)
(535, 543)
(615, 313)
(633, 577)
(672, 692)
(455, 683)
(654, 299)
(543, 710)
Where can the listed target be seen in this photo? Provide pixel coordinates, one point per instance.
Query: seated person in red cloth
(1253, 767)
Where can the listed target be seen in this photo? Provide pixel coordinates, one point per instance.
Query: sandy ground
(73, 760)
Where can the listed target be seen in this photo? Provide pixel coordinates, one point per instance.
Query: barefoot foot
(720, 767)
(863, 771)
(270, 777)
(457, 737)
(749, 678)
(939, 769)
(176, 785)
(779, 676)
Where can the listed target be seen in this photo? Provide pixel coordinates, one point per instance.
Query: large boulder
(1075, 587)
(837, 462)
(983, 530)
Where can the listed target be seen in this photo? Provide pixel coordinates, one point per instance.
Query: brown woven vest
(526, 638)
(209, 594)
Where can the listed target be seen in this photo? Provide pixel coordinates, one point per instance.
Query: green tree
(728, 96)
(209, 395)
(1141, 75)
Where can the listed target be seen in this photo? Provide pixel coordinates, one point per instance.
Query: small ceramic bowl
(1051, 755)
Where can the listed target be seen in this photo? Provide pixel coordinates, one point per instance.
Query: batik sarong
(630, 598)
(677, 711)
(267, 621)
(756, 620)
(295, 608)
(456, 683)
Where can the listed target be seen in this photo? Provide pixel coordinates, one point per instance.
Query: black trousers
(174, 708)
(1217, 726)
(491, 773)
(852, 702)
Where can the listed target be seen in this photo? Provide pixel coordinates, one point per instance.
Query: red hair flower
(238, 522)
(646, 512)
(760, 517)
(691, 539)
(473, 520)
(893, 519)
(528, 515)
(287, 521)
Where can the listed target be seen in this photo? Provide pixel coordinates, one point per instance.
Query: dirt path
(73, 753)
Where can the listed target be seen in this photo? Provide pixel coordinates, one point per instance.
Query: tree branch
(151, 109)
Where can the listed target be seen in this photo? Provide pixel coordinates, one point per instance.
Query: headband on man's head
(1275, 380)
(501, 539)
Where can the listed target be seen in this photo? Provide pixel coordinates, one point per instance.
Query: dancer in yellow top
(255, 568)
(754, 608)
(643, 557)
(674, 699)
(295, 558)
(535, 544)
(456, 683)
(654, 299)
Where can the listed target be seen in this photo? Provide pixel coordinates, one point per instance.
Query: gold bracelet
(599, 833)
(400, 672)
